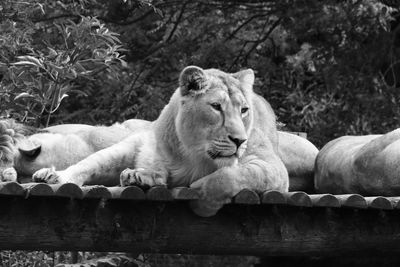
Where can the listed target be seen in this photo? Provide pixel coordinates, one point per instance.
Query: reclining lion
(27, 149)
(24, 150)
(215, 135)
(366, 165)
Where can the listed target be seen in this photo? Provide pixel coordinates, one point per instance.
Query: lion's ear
(192, 80)
(246, 78)
(29, 149)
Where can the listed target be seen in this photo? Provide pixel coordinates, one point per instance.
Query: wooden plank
(38, 189)
(273, 197)
(67, 190)
(170, 227)
(324, 200)
(159, 193)
(11, 188)
(96, 191)
(127, 192)
(352, 201)
(395, 202)
(247, 196)
(184, 193)
(298, 198)
(380, 203)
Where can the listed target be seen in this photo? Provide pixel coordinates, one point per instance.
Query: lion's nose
(237, 141)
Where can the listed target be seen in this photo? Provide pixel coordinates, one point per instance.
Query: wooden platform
(96, 218)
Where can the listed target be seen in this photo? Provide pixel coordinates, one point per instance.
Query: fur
(11, 132)
(60, 146)
(366, 165)
(298, 154)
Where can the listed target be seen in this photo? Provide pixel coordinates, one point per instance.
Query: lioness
(215, 135)
(24, 150)
(368, 165)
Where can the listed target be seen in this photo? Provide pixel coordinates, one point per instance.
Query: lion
(215, 135)
(298, 155)
(26, 150)
(31, 153)
(10, 133)
(366, 165)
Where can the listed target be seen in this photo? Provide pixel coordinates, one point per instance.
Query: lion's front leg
(8, 175)
(100, 168)
(51, 176)
(215, 189)
(144, 178)
(219, 187)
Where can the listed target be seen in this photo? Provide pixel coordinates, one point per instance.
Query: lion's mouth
(218, 154)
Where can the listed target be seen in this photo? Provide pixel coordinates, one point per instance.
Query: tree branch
(178, 20)
(266, 36)
(242, 25)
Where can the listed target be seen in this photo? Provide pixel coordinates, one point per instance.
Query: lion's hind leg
(372, 150)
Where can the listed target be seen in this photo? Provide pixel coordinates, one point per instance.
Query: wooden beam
(90, 224)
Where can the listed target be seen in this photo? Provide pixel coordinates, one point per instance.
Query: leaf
(19, 63)
(31, 59)
(22, 95)
(52, 52)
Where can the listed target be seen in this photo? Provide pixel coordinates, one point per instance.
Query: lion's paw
(9, 175)
(46, 175)
(140, 177)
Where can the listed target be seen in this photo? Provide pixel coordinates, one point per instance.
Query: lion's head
(215, 114)
(13, 142)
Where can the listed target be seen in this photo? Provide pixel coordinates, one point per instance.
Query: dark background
(328, 68)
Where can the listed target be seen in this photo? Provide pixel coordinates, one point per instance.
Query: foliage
(42, 76)
(329, 68)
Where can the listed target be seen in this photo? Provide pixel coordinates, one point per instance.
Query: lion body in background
(29, 149)
(298, 154)
(367, 165)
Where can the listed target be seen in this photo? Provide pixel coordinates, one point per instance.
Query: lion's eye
(216, 106)
(244, 110)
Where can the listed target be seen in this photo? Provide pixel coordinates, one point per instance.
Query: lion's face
(215, 114)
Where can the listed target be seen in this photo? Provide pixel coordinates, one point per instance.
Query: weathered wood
(381, 203)
(96, 191)
(38, 189)
(298, 199)
(128, 192)
(184, 193)
(171, 227)
(159, 193)
(11, 188)
(273, 197)
(395, 202)
(352, 201)
(247, 196)
(67, 190)
(324, 200)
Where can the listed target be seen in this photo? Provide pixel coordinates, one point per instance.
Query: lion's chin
(226, 161)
